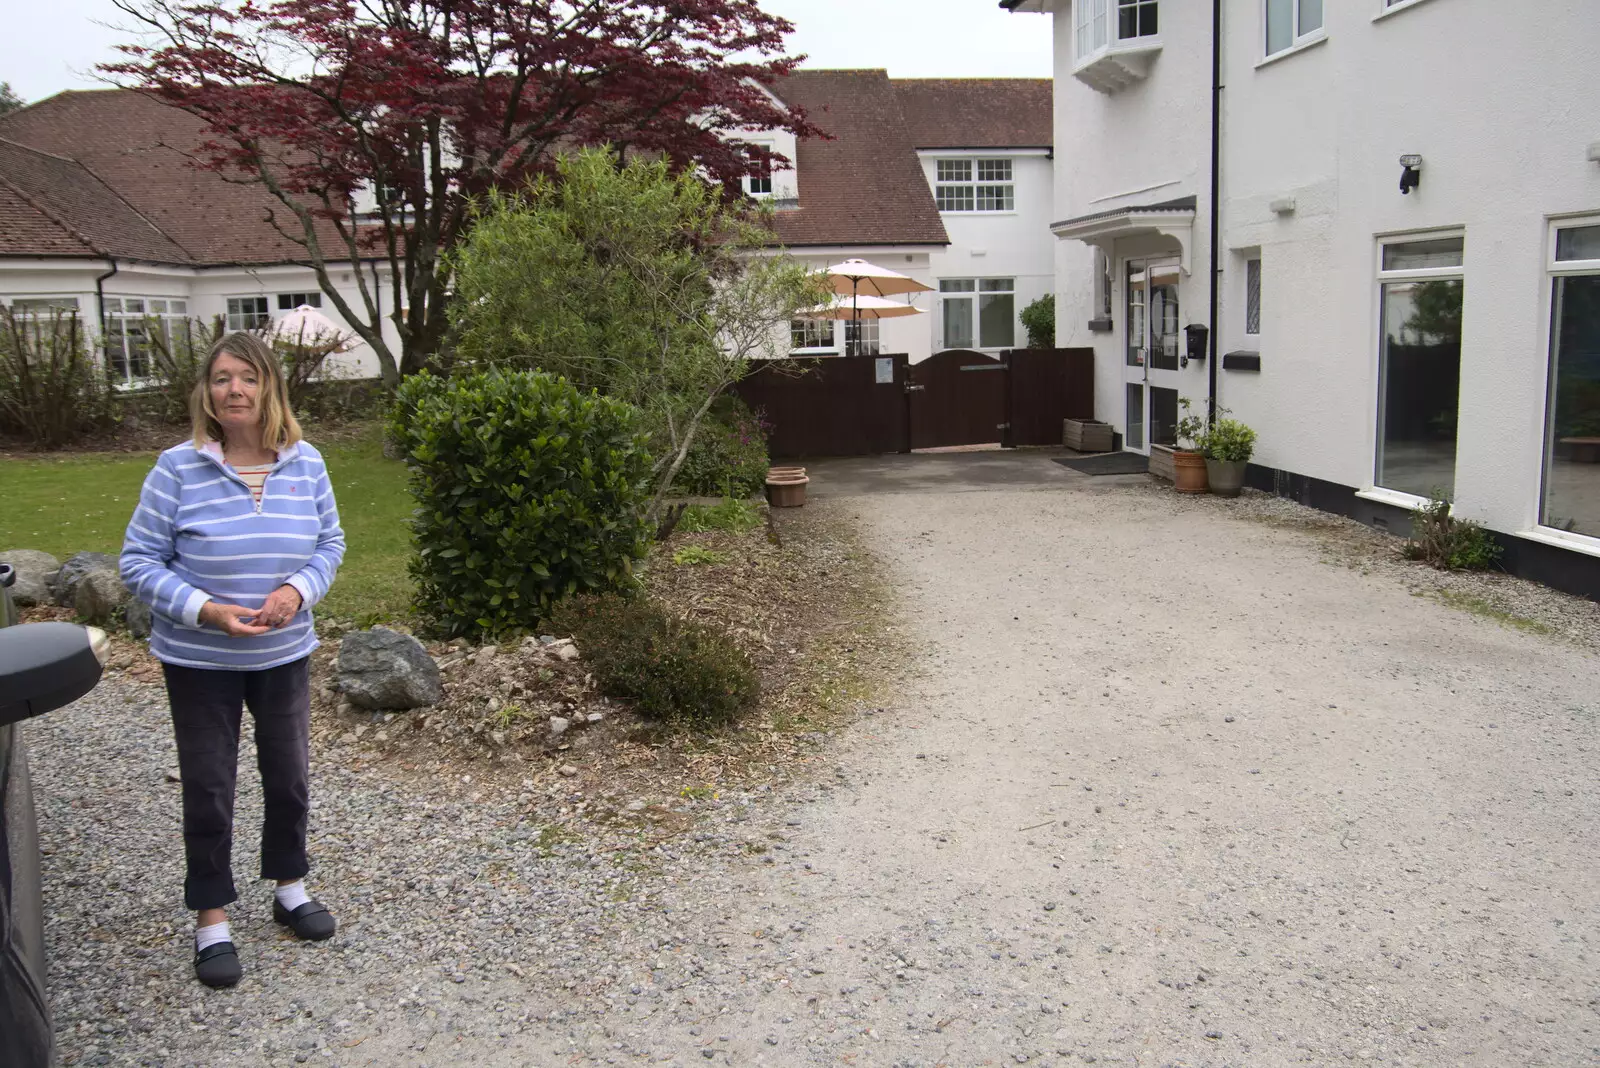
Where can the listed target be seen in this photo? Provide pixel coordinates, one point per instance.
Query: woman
(236, 536)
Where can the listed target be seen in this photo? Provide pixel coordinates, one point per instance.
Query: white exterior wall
(1501, 103)
(1146, 144)
(206, 290)
(1502, 106)
(1015, 244)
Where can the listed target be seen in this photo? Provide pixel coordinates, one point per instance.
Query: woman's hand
(281, 607)
(230, 619)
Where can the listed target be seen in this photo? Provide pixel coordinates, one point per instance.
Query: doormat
(1107, 463)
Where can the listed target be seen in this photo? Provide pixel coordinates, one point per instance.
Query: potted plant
(1189, 458)
(1228, 446)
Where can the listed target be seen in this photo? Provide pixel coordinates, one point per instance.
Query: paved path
(1166, 788)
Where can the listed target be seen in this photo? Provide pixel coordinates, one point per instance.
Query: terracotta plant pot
(1226, 476)
(1190, 469)
(786, 490)
(786, 471)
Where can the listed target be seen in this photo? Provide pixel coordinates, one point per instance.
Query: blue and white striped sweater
(198, 535)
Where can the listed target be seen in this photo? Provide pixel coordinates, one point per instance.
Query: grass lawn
(77, 503)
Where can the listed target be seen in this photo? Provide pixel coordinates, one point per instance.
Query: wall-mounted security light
(1410, 172)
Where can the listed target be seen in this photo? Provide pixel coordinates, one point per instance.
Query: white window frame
(1298, 37)
(235, 320)
(819, 326)
(871, 337)
(962, 178)
(974, 296)
(758, 186)
(1373, 491)
(116, 310)
(285, 304)
(1554, 268)
(1099, 23)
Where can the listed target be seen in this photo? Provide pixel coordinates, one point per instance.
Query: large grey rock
(381, 668)
(98, 595)
(137, 617)
(34, 571)
(64, 587)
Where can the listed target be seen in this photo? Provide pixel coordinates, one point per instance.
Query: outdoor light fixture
(1410, 172)
(1282, 206)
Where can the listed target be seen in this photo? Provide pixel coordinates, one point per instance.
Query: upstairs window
(1100, 23)
(759, 182)
(1292, 22)
(1136, 18)
(974, 185)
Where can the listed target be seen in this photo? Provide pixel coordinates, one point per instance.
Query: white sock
(210, 936)
(293, 895)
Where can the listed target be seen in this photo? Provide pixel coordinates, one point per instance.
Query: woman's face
(234, 397)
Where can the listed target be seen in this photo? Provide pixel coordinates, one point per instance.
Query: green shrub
(527, 492)
(51, 391)
(698, 554)
(1228, 439)
(729, 453)
(730, 515)
(670, 669)
(1039, 320)
(1450, 544)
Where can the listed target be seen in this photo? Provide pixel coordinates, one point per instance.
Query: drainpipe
(100, 296)
(1216, 197)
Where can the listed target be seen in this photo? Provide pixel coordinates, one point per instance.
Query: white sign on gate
(885, 370)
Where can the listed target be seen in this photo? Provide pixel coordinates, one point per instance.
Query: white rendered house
(1403, 296)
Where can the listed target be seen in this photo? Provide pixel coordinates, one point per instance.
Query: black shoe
(310, 921)
(217, 965)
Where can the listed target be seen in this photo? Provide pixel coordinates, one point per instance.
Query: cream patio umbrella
(858, 307)
(858, 278)
(308, 325)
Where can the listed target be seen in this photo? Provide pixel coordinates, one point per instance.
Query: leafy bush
(1228, 439)
(51, 390)
(729, 453)
(1039, 320)
(731, 515)
(670, 669)
(1450, 544)
(527, 491)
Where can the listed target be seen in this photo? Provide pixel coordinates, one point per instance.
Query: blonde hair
(279, 428)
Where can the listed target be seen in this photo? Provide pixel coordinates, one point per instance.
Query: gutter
(1216, 201)
(100, 297)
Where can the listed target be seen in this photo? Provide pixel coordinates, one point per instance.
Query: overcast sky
(50, 45)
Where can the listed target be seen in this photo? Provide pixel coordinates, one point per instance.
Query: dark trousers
(206, 711)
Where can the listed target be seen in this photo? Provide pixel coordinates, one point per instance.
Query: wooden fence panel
(1045, 387)
(830, 406)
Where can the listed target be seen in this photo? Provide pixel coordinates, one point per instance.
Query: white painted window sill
(1296, 48)
(1396, 9)
(1562, 539)
(1409, 501)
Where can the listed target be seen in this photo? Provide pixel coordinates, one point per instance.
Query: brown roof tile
(25, 230)
(137, 146)
(977, 112)
(864, 186)
(80, 203)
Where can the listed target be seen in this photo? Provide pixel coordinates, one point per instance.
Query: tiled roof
(78, 205)
(864, 185)
(976, 112)
(25, 230)
(136, 145)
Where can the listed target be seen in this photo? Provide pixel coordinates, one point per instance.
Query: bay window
(139, 330)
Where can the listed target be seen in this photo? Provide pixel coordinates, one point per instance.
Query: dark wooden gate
(1046, 386)
(838, 406)
(958, 397)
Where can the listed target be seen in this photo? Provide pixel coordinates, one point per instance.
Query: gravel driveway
(1162, 787)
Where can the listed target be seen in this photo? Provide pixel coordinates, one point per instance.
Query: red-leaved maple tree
(376, 122)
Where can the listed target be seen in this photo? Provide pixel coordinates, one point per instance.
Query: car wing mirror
(46, 665)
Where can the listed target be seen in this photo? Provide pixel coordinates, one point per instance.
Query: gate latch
(914, 389)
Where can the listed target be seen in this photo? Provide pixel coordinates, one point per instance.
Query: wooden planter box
(1161, 464)
(1086, 435)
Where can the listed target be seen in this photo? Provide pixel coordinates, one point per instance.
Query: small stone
(494, 703)
(637, 806)
(708, 1053)
(98, 594)
(1213, 1035)
(174, 776)
(1227, 719)
(564, 650)
(559, 725)
(487, 653)
(382, 668)
(568, 770)
(596, 717)
(1049, 906)
(498, 737)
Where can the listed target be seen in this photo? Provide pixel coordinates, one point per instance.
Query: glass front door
(1151, 368)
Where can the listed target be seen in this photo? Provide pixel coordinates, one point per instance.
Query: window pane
(957, 285)
(1419, 377)
(955, 170)
(994, 170)
(996, 285)
(957, 322)
(1578, 243)
(954, 198)
(1280, 25)
(1252, 296)
(1310, 16)
(1419, 255)
(861, 336)
(133, 307)
(178, 307)
(1572, 455)
(1101, 23)
(996, 321)
(994, 198)
(1134, 438)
